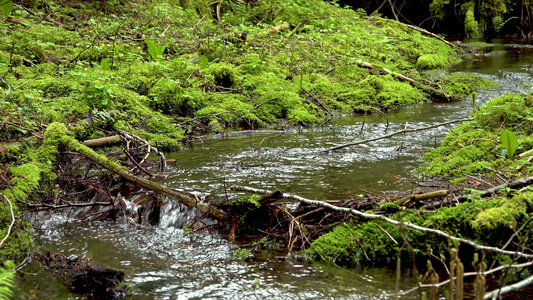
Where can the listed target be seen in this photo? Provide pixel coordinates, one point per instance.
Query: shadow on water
(168, 263)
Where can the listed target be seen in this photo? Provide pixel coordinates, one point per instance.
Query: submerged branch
(421, 197)
(388, 220)
(396, 133)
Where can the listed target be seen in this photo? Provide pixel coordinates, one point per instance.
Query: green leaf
(156, 51)
(203, 61)
(6, 8)
(509, 142)
(104, 64)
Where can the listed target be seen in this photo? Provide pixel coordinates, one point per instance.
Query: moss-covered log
(187, 199)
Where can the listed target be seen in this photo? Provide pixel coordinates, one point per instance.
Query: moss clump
(474, 147)
(508, 212)
(223, 74)
(241, 255)
(431, 61)
(25, 180)
(382, 92)
(464, 84)
(372, 241)
(353, 243)
(471, 24)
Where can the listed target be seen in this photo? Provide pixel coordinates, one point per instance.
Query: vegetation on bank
(475, 149)
(163, 71)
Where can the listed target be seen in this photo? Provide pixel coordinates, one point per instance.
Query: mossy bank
(165, 71)
(472, 150)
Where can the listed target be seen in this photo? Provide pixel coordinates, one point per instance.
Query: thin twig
(12, 221)
(396, 133)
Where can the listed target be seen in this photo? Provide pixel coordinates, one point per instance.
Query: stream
(166, 262)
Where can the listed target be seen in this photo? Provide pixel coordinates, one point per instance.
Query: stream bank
(166, 261)
(202, 78)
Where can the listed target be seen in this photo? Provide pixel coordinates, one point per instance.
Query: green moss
(25, 179)
(372, 241)
(472, 28)
(506, 214)
(19, 240)
(431, 61)
(242, 254)
(464, 84)
(474, 147)
(223, 74)
(353, 243)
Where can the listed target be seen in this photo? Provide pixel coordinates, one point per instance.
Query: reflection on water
(167, 263)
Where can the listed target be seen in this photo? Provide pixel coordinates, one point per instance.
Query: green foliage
(104, 64)
(99, 95)
(156, 51)
(203, 62)
(6, 7)
(242, 254)
(509, 142)
(7, 277)
(431, 61)
(505, 214)
(464, 84)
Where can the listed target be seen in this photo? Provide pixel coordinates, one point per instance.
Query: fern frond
(7, 277)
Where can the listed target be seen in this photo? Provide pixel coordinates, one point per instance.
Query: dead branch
(68, 204)
(486, 193)
(447, 281)
(388, 220)
(421, 197)
(102, 141)
(401, 77)
(131, 136)
(12, 221)
(510, 288)
(186, 199)
(396, 133)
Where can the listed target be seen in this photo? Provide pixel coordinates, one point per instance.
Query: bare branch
(396, 133)
(510, 288)
(12, 221)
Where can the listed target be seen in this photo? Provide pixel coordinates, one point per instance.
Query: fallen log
(186, 199)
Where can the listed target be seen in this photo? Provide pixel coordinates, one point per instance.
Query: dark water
(168, 263)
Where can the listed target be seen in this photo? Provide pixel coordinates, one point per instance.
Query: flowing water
(167, 263)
